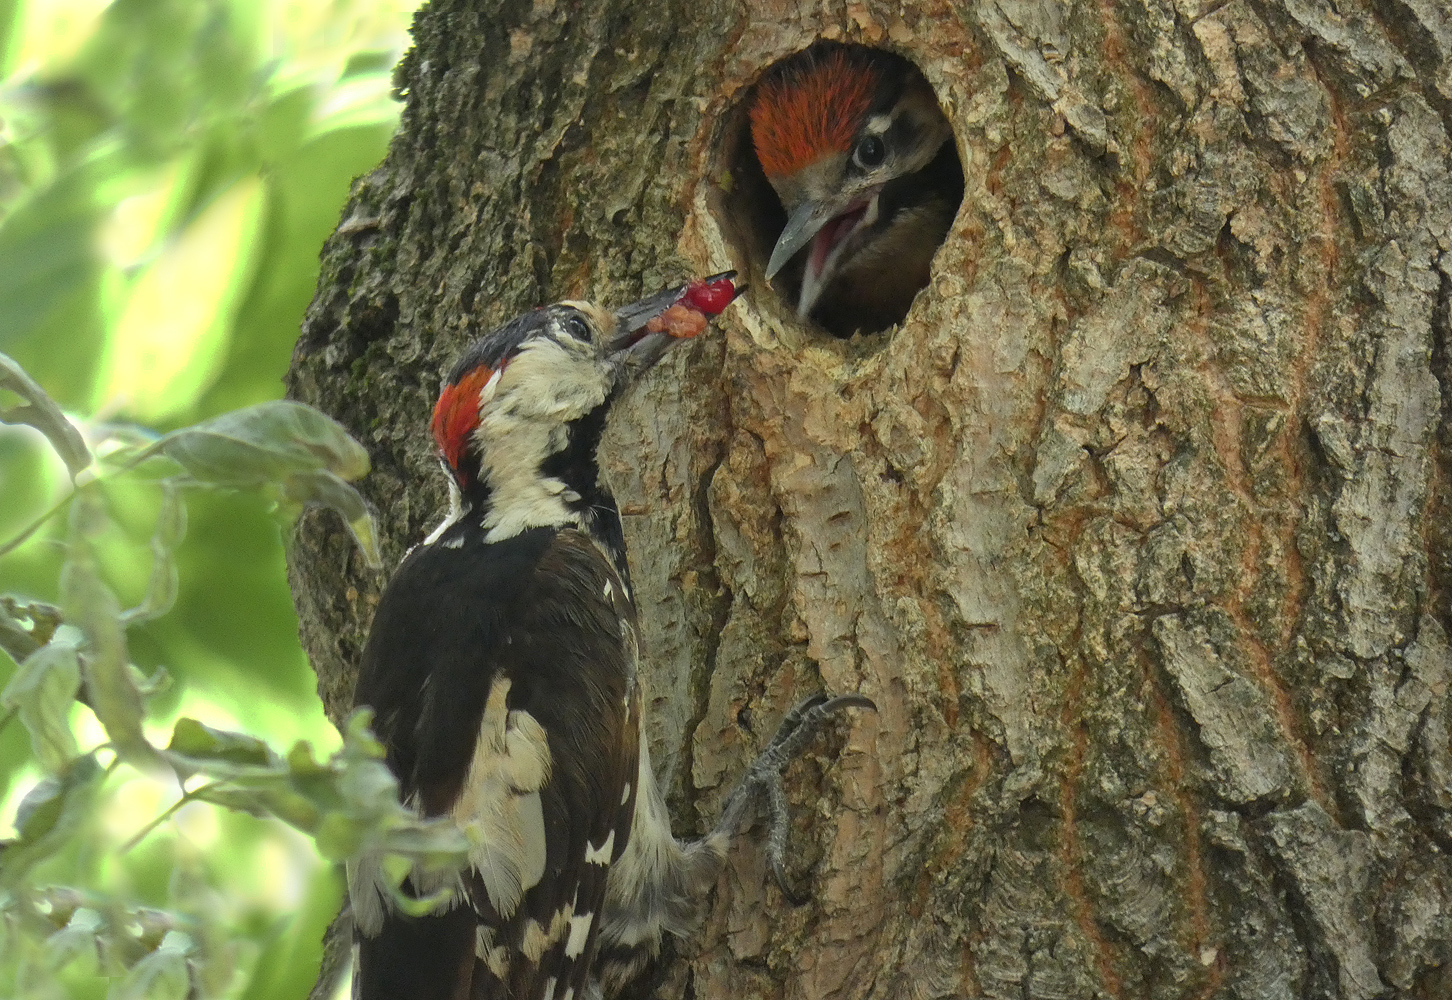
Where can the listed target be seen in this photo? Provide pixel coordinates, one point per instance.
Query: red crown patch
(803, 114)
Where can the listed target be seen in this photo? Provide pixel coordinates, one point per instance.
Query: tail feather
(420, 958)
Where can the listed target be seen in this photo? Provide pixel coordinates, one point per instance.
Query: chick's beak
(806, 221)
(821, 229)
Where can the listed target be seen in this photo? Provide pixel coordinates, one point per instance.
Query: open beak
(823, 226)
(639, 347)
(805, 222)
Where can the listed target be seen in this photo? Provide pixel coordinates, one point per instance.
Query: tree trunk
(1137, 529)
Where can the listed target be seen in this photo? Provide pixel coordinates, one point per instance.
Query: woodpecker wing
(501, 677)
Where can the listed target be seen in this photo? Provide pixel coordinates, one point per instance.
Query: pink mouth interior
(831, 234)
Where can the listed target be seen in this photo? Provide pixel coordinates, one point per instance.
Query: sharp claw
(849, 701)
(764, 778)
(793, 719)
(776, 840)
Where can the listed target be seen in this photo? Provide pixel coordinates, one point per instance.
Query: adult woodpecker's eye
(870, 151)
(577, 327)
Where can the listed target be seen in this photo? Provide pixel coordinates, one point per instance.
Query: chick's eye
(870, 151)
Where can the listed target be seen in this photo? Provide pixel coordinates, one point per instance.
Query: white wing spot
(495, 956)
(499, 808)
(549, 993)
(537, 939)
(600, 855)
(625, 794)
(609, 590)
(569, 994)
(579, 933)
(455, 543)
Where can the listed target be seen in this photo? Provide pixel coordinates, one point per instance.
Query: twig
(167, 814)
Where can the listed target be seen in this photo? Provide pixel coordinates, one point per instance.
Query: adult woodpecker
(864, 162)
(501, 669)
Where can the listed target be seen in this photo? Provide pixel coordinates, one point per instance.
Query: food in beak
(681, 312)
(704, 298)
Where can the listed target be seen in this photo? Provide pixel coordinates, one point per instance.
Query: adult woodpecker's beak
(637, 346)
(824, 226)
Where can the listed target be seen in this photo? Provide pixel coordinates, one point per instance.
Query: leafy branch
(77, 652)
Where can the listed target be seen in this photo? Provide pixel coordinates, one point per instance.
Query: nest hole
(842, 118)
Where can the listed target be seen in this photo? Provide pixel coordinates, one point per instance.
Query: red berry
(710, 297)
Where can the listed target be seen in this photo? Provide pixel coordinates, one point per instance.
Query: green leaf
(81, 934)
(266, 443)
(49, 814)
(42, 692)
(162, 975)
(149, 686)
(161, 588)
(41, 412)
(301, 454)
(200, 742)
(90, 605)
(25, 626)
(324, 488)
(262, 796)
(421, 906)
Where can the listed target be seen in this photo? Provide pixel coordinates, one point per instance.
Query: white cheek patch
(486, 392)
(499, 809)
(549, 379)
(530, 405)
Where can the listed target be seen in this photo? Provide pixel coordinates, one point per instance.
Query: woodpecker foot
(763, 777)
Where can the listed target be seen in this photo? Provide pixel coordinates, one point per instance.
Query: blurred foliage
(169, 170)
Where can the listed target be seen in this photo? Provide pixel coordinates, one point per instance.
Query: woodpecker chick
(854, 144)
(501, 669)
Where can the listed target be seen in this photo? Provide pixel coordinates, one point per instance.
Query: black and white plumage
(501, 668)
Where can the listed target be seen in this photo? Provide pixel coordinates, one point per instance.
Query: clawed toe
(803, 722)
(764, 776)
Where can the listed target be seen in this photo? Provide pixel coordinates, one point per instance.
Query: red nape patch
(802, 114)
(457, 414)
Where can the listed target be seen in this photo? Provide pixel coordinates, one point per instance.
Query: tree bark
(1137, 529)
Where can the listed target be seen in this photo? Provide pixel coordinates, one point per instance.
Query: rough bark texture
(1137, 529)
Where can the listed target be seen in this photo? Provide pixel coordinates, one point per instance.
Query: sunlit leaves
(49, 815)
(146, 952)
(305, 454)
(25, 626)
(326, 490)
(40, 412)
(348, 803)
(264, 444)
(161, 589)
(41, 692)
(168, 171)
(161, 975)
(91, 606)
(171, 334)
